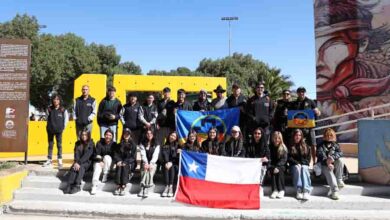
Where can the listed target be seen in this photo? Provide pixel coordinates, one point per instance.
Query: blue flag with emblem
(301, 118)
(201, 121)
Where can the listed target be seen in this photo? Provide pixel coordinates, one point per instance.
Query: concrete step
(51, 182)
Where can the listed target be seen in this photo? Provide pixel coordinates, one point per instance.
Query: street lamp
(229, 19)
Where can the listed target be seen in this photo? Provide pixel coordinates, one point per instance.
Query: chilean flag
(219, 182)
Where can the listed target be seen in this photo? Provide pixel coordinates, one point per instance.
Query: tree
(128, 68)
(21, 26)
(246, 71)
(180, 71)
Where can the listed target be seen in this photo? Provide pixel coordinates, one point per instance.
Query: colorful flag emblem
(301, 118)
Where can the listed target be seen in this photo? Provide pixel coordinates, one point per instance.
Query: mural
(374, 151)
(352, 57)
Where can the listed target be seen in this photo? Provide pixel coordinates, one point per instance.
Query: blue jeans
(301, 177)
(113, 128)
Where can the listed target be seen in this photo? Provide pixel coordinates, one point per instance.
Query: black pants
(50, 138)
(277, 180)
(170, 175)
(75, 177)
(122, 175)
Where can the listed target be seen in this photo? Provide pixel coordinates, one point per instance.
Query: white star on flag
(193, 167)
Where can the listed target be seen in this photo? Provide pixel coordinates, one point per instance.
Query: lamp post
(229, 19)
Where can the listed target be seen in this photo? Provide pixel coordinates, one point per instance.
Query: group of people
(151, 127)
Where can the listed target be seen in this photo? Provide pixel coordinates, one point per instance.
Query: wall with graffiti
(374, 151)
(352, 57)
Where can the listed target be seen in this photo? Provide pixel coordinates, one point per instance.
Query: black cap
(285, 91)
(301, 89)
(127, 130)
(111, 88)
(166, 89)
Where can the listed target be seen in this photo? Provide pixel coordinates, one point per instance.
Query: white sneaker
(299, 195)
(306, 196)
(47, 163)
(340, 183)
(334, 195)
(60, 164)
(280, 194)
(274, 194)
(261, 192)
(93, 190)
(104, 179)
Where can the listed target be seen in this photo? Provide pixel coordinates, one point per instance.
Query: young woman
(169, 159)
(125, 159)
(299, 160)
(83, 152)
(150, 151)
(234, 147)
(56, 122)
(258, 148)
(102, 159)
(192, 143)
(211, 145)
(329, 155)
(278, 165)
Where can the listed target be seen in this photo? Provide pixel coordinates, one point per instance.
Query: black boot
(67, 189)
(75, 189)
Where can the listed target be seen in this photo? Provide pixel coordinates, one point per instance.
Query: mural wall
(374, 151)
(352, 57)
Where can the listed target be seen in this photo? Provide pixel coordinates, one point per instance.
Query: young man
(220, 101)
(236, 99)
(260, 110)
(129, 117)
(280, 116)
(165, 106)
(109, 113)
(202, 104)
(56, 122)
(303, 103)
(147, 115)
(181, 103)
(84, 111)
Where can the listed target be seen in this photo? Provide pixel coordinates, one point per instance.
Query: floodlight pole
(229, 19)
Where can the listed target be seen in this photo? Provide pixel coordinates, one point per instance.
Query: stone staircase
(41, 194)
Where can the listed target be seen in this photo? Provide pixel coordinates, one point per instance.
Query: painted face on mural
(335, 60)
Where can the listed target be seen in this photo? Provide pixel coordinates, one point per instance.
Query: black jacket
(295, 156)
(83, 109)
(234, 148)
(102, 149)
(107, 107)
(130, 116)
(205, 106)
(276, 160)
(56, 120)
(165, 111)
(260, 110)
(280, 116)
(125, 152)
(192, 147)
(328, 149)
(258, 150)
(212, 147)
(168, 153)
(83, 154)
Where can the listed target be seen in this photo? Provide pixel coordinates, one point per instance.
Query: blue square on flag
(194, 164)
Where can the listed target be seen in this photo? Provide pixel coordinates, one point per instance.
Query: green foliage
(180, 71)
(7, 165)
(128, 68)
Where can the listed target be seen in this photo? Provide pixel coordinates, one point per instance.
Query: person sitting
(192, 143)
(102, 159)
(329, 155)
(258, 148)
(211, 145)
(169, 159)
(83, 152)
(125, 159)
(278, 165)
(150, 151)
(299, 160)
(234, 147)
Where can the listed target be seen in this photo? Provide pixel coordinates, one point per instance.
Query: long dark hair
(82, 143)
(216, 134)
(167, 143)
(196, 144)
(302, 144)
(145, 141)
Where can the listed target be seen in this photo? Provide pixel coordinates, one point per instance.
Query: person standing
(236, 99)
(280, 116)
(83, 152)
(304, 103)
(57, 120)
(202, 104)
(129, 117)
(164, 107)
(260, 110)
(147, 115)
(220, 101)
(182, 103)
(109, 113)
(84, 111)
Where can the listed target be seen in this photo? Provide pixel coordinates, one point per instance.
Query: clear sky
(165, 34)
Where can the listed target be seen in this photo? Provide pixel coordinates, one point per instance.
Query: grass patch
(7, 165)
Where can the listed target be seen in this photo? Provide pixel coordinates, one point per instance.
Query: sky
(166, 34)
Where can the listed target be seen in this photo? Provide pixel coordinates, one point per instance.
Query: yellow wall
(37, 137)
(9, 183)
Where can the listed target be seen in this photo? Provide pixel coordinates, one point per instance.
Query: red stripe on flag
(218, 195)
